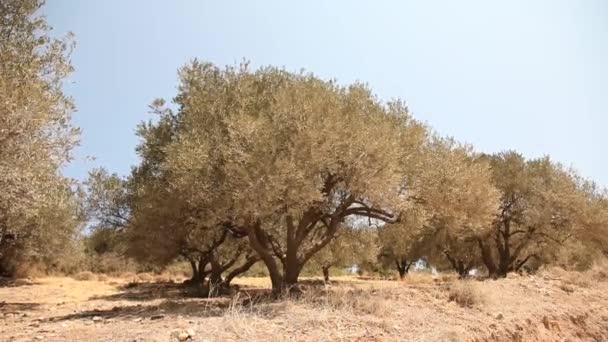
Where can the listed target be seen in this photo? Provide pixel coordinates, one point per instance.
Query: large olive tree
(285, 158)
(36, 134)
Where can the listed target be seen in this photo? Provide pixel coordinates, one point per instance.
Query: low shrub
(84, 276)
(464, 293)
(146, 277)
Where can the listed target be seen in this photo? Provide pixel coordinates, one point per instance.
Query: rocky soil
(552, 306)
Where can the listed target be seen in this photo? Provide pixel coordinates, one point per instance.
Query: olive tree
(284, 158)
(455, 202)
(36, 134)
(156, 223)
(543, 205)
(352, 245)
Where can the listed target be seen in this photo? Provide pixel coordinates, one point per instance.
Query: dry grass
(420, 308)
(599, 270)
(128, 277)
(146, 277)
(356, 301)
(85, 276)
(419, 278)
(465, 293)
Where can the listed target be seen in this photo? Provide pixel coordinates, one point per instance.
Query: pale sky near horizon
(525, 75)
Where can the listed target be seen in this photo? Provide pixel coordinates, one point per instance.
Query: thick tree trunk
(259, 243)
(486, 258)
(403, 267)
(402, 274)
(293, 258)
(458, 265)
(215, 278)
(326, 273)
(292, 272)
(198, 267)
(195, 274)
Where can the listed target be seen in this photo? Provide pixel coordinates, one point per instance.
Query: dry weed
(599, 270)
(447, 277)
(84, 276)
(465, 293)
(129, 276)
(419, 278)
(373, 302)
(145, 277)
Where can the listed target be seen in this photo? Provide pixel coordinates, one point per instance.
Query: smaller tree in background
(454, 201)
(403, 243)
(543, 206)
(352, 246)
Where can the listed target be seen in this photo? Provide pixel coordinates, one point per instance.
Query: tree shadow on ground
(158, 300)
(147, 291)
(262, 305)
(142, 292)
(322, 283)
(7, 307)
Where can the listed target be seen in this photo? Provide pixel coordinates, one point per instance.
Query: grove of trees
(265, 166)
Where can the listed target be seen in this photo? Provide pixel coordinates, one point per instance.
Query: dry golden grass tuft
(358, 301)
(30, 270)
(599, 270)
(571, 279)
(85, 276)
(447, 277)
(128, 277)
(163, 278)
(465, 293)
(419, 278)
(145, 277)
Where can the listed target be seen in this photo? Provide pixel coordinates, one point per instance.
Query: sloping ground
(548, 307)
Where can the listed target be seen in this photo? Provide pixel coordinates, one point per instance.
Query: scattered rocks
(97, 319)
(500, 316)
(155, 317)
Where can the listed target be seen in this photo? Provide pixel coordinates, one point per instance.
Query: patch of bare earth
(546, 307)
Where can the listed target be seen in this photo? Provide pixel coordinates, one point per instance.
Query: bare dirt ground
(552, 306)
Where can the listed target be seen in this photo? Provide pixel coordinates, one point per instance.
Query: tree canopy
(36, 133)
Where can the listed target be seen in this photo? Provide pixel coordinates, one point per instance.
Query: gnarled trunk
(326, 273)
(486, 258)
(403, 267)
(314, 229)
(195, 278)
(259, 242)
(249, 262)
(459, 265)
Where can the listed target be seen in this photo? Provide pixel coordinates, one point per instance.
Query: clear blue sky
(525, 75)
